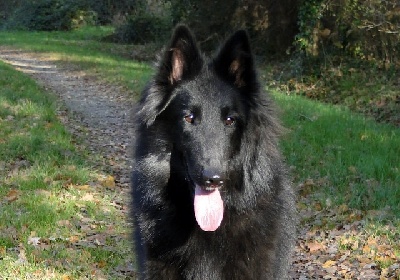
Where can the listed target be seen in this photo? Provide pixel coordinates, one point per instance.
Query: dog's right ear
(181, 59)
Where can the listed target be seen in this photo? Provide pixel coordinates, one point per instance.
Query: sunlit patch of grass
(85, 49)
(51, 203)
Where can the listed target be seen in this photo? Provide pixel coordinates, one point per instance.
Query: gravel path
(98, 113)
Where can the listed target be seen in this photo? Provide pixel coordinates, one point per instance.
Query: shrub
(144, 28)
(50, 15)
(272, 24)
(366, 29)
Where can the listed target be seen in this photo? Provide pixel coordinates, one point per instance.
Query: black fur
(207, 118)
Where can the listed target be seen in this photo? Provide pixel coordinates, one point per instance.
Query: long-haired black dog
(211, 198)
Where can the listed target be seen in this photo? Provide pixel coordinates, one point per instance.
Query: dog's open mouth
(208, 204)
(208, 208)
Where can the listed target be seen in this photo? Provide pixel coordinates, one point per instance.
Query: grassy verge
(345, 157)
(57, 220)
(347, 170)
(86, 49)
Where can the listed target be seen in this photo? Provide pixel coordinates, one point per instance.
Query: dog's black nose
(212, 179)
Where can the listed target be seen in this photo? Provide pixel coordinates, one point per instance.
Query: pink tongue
(208, 208)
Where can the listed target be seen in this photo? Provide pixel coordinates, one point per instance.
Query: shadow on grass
(353, 160)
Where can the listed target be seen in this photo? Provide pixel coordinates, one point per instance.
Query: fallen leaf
(2, 251)
(314, 246)
(71, 167)
(343, 208)
(35, 241)
(21, 255)
(82, 187)
(98, 239)
(384, 259)
(101, 264)
(318, 206)
(88, 197)
(73, 238)
(43, 192)
(107, 182)
(65, 223)
(12, 195)
(328, 264)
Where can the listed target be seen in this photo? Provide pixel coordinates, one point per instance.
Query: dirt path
(100, 114)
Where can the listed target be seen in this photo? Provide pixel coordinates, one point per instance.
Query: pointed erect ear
(234, 62)
(181, 58)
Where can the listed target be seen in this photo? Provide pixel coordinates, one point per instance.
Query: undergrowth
(361, 86)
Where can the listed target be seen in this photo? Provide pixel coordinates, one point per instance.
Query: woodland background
(322, 49)
(367, 29)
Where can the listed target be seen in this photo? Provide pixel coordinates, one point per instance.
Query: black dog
(210, 192)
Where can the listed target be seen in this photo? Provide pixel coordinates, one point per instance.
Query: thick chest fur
(233, 251)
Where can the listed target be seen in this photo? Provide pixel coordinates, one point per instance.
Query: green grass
(41, 171)
(351, 159)
(86, 49)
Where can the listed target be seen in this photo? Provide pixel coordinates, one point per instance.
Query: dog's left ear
(234, 61)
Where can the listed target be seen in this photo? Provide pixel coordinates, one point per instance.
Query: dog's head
(204, 107)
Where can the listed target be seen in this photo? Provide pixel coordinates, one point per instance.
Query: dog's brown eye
(189, 118)
(229, 121)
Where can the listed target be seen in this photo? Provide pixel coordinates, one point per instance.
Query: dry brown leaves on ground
(344, 243)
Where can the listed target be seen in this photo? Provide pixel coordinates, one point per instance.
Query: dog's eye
(189, 118)
(230, 121)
